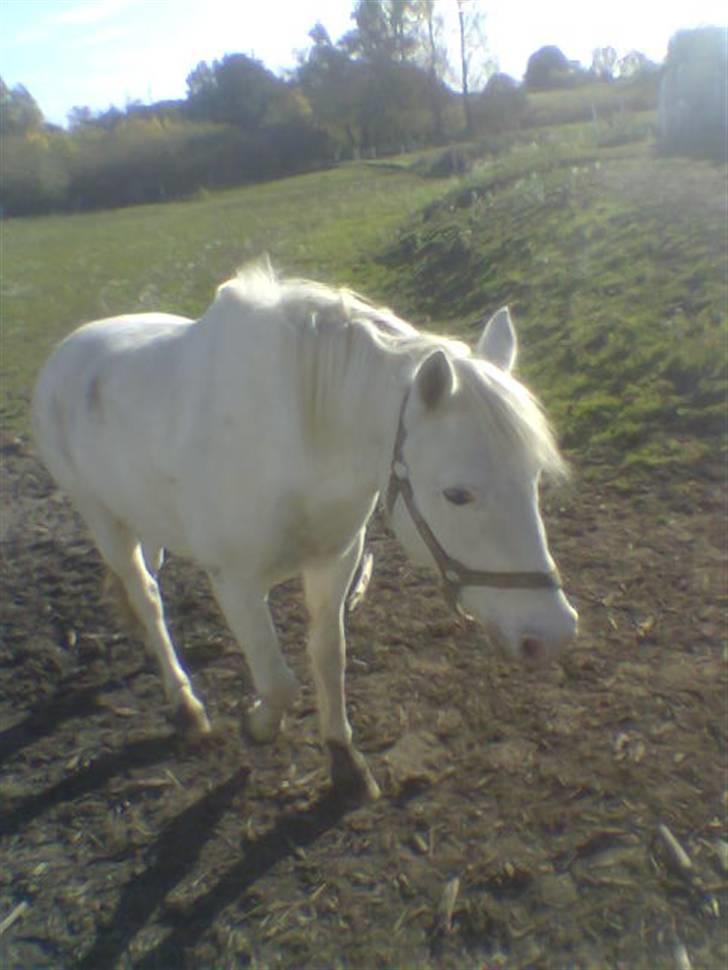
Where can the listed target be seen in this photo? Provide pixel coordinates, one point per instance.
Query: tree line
(386, 86)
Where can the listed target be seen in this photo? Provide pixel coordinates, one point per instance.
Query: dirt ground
(520, 820)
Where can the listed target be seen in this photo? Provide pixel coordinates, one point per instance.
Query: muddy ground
(531, 801)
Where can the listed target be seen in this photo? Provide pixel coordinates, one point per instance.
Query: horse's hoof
(350, 775)
(263, 722)
(190, 718)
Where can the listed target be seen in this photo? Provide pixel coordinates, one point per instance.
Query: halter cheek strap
(454, 574)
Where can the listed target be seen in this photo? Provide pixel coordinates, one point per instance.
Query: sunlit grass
(60, 271)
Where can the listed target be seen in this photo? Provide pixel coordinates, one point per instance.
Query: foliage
(237, 90)
(145, 159)
(367, 110)
(635, 63)
(35, 173)
(386, 30)
(548, 68)
(604, 63)
(19, 113)
(380, 89)
(474, 61)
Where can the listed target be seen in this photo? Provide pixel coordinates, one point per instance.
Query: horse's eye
(458, 496)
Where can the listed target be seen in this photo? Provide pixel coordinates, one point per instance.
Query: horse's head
(470, 449)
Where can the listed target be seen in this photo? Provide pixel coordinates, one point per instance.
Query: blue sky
(102, 52)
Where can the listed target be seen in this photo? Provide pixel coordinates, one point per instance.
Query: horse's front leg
(325, 588)
(249, 619)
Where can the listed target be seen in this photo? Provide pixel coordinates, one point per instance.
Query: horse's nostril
(532, 650)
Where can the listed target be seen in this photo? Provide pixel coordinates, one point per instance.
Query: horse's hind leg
(325, 588)
(123, 555)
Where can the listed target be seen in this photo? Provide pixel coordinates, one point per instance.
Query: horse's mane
(328, 313)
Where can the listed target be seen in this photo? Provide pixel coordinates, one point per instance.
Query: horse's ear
(434, 380)
(498, 342)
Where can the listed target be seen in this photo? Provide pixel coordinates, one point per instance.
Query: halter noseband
(454, 574)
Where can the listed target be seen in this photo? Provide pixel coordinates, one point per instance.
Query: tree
(386, 30)
(80, 116)
(435, 59)
(432, 51)
(604, 63)
(472, 43)
(236, 90)
(635, 63)
(19, 112)
(372, 88)
(202, 90)
(333, 83)
(547, 68)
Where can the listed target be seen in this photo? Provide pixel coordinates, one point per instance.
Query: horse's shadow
(176, 851)
(82, 702)
(79, 702)
(64, 705)
(137, 754)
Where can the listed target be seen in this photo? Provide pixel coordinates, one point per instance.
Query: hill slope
(614, 262)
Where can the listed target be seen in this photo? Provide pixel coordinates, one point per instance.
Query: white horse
(257, 440)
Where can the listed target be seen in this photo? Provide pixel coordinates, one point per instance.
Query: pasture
(520, 823)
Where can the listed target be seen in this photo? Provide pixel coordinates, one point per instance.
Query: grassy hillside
(613, 261)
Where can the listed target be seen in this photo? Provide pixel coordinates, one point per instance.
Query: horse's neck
(351, 392)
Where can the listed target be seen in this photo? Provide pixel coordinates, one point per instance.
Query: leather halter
(454, 574)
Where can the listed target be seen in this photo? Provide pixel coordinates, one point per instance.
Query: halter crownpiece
(454, 574)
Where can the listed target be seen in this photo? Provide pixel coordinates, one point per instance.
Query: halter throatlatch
(454, 574)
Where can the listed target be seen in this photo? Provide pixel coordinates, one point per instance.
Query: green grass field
(613, 261)
(60, 271)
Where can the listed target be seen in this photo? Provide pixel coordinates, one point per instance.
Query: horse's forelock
(515, 415)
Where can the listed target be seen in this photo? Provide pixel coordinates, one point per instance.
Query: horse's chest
(313, 530)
